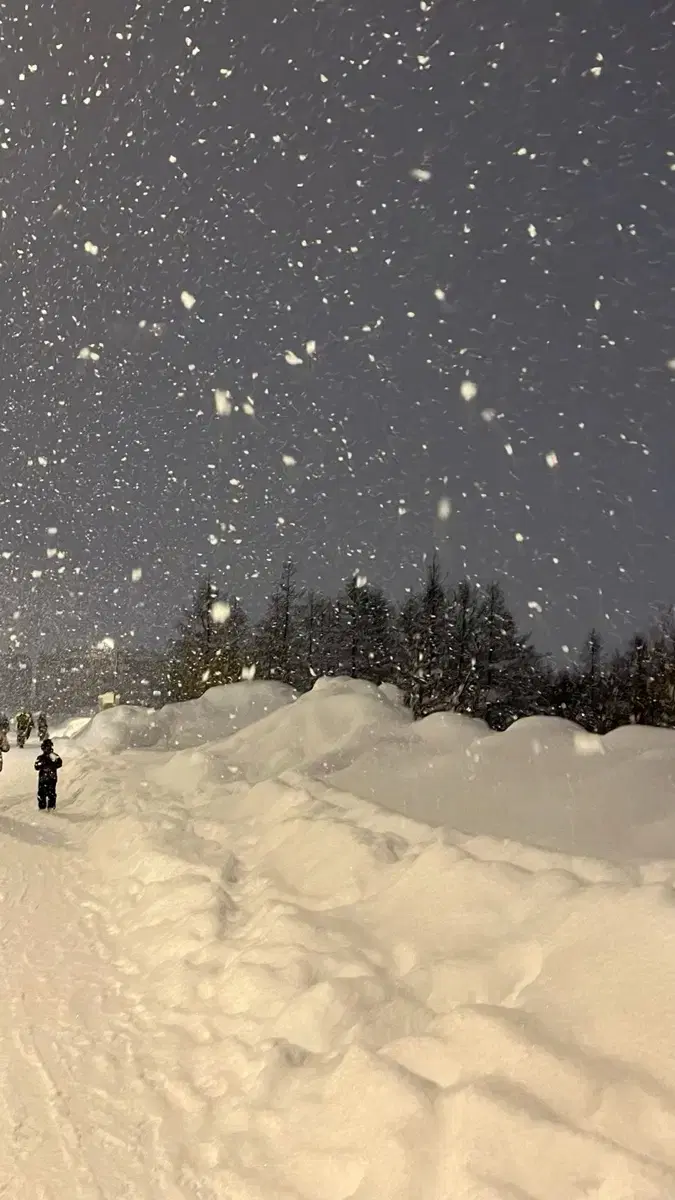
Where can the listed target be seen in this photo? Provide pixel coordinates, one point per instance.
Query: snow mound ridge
(544, 782)
(220, 712)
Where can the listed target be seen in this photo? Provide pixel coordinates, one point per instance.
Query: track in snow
(77, 1117)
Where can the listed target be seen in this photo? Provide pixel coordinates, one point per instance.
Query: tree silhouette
(277, 638)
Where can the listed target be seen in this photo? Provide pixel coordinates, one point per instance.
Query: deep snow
(246, 969)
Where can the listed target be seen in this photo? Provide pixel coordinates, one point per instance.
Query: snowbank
(544, 782)
(323, 731)
(220, 712)
(70, 727)
(370, 959)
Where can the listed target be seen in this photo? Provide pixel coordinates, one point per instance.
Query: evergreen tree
(663, 664)
(591, 657)
(211, 645)
(507, 675)
(643, 695)
(318, 638)
(425, 645)
(593, 707)
(565, 692)
(232, 642)
(463, 619)
(278, 638)
(366, 633)
(618, 689)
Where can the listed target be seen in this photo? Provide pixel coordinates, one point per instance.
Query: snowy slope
(247, 970)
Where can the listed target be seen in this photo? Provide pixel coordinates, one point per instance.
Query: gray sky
(429, 193)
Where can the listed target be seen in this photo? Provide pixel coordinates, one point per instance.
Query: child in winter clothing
(48, 764)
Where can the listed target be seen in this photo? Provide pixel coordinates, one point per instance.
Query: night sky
(405, 198)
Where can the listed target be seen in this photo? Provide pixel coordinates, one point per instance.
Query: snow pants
(47, 793)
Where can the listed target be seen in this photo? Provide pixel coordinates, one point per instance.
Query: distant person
(4, 723)
(48, 764)
(4, 744)
(42, 726)
(24, 727)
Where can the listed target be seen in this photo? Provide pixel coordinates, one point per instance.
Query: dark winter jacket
(48, 764)
(24, 723)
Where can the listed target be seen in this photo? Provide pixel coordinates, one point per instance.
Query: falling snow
(223, 401)
(282, 249)
(468, 389)
(221, 611)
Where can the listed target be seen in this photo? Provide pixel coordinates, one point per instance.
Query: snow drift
(364, 958)
(218, 713)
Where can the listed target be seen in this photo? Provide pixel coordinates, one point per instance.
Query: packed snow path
(225, 975)
(76, 1115)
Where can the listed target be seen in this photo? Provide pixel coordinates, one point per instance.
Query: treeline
(448, 648)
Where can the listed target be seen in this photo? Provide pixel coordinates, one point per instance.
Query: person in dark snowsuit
(48, 764)
(42, 726)
(24, 727)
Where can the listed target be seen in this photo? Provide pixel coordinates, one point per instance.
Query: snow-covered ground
(318, 952)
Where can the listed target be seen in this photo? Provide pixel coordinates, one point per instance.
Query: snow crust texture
(319, 952)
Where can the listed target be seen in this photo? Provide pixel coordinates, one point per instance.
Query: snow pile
(70, 727)
(320, 997)
(544, 781)
(220, 712)
(324, 730)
